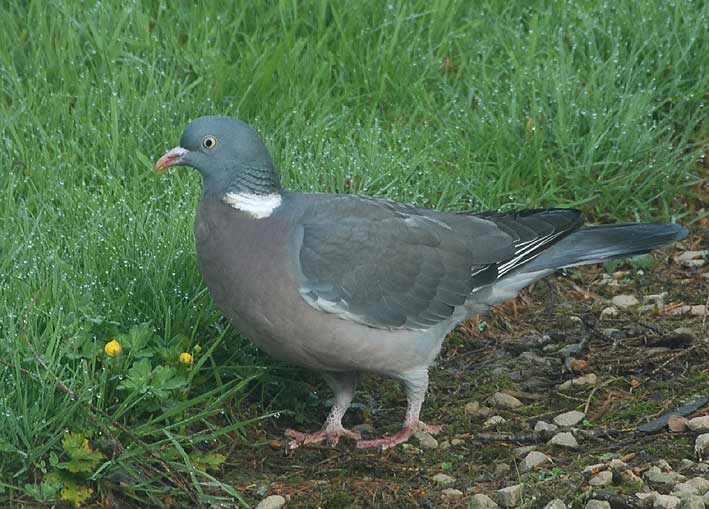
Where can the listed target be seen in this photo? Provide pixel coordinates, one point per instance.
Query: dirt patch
(646, 361)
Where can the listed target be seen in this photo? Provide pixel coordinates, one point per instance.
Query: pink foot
(331, 436)
(400, 437)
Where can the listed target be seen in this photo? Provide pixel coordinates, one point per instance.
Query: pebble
(578, 382)
(544, 428)
(666, 502)
(700, 310)
(443, 479)
(452, 493)
(472, 408)
(629, 477)
(502, 470)
(502, 400)
(692, 502)
(609, 312)
(457, 442)
(565, 439)
(694, 486)
(701, 446)
(677, 423)
(533, 460)
(706, 499)
(597, 504)
(272, 502)
(522, 451)
(646, 499)
(625, 301)
(691, 258)
(426, 441)
(700, 424)
(555, 504)
(481, 501)
(657, 299)
(568, 419)
(510, 496)
(601, 478)
(493, 421)
(657, 476)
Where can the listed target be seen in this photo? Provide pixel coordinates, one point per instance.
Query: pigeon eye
(209, 142)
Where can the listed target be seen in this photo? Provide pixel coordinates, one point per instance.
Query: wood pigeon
(346, 284)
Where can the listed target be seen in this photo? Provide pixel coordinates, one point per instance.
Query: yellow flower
(186, 358)
(113, 348)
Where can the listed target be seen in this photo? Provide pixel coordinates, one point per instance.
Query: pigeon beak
(172, 158)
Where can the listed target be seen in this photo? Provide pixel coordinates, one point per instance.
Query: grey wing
(390, 266)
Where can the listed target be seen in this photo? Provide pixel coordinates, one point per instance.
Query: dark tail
(596, 244)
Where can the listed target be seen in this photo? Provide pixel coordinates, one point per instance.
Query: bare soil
(647, 363)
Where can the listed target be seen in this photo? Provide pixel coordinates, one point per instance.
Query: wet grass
(449, 104)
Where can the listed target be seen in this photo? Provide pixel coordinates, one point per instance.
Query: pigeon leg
(343, 384)
(415, 385)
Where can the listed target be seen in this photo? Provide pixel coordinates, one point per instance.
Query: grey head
(230, 155)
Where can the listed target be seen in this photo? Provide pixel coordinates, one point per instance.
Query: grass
(449, 104)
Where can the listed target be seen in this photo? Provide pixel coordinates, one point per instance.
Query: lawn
(449, 104)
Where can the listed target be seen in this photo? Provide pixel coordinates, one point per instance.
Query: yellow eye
(209, 142)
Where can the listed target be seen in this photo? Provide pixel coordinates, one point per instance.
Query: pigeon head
(228, 153)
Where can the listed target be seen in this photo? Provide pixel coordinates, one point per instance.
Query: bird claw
(331, 436)
(399, 438)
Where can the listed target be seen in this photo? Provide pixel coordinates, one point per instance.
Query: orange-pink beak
(172, 158)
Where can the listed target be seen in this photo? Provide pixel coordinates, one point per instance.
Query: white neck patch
(258, 206)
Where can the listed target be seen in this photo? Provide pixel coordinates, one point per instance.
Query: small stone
(502, 470)
(691, 258)
(452, 493)
(579, 382)
(692, 502)
(481, 501)
(493, 421)
(617, 465)
(443, 479)
(706, 499)
(683, 331)
(699, 310)
(666, 502)
(597, 504)
(426, 441)
(609, 312)
(700, 424)
(565, 439)
(657, 476)
(630, 478)
(472, 408)
(657, 299)
(363, 428)
(592, 470)
(510, 496)
(625, 301)
(578, 365)
(502, 400)
(568, 419)
(663, 465)
(555, 504)
(457, 442)
(601, 478)
(646, 499)
(272, 502)
(680, 310)
(544, 428)
(523, 451)
(677, 423)
(533, 460)
(701, 446)
(694, 486)
(613, 333)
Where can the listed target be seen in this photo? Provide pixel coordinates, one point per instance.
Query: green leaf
(46, 491)
(82, 457)
(207, 460)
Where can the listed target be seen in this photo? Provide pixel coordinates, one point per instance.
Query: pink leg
(344, 386)
(415, 384)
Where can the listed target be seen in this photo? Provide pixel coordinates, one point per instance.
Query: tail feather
(596, 244)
